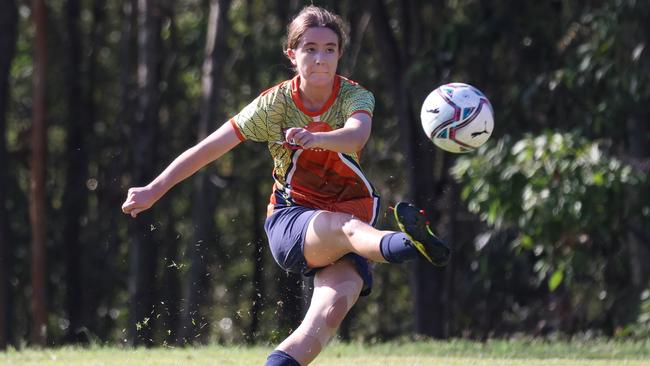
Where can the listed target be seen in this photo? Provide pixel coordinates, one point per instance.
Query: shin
(336, 289)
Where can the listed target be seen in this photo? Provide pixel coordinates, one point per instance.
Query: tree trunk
(258, 200)
(290, 301)
(144, 252)
(197, 283)
(112, 192)
(426, 281)
(37, 180)
(259, 291)
(387, 45)
(94, 262)
(75, 196)
(360, 19)
(639, 150)
(8, 37)
(171, 291)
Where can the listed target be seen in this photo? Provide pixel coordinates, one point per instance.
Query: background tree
(8, 35)
(74, 200)
(37, 182)
(144, 142)
(398, 55)
(197, 288)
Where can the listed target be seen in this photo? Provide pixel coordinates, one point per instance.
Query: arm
(351, 138)
(211, 148)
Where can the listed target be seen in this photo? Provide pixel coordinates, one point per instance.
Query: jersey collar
(295, 95)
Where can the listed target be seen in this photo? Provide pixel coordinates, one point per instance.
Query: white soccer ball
(457, 117)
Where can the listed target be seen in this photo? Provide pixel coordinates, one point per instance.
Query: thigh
(325, 239)
(286, 230)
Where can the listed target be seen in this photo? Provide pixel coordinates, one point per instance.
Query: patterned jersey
(316, 178)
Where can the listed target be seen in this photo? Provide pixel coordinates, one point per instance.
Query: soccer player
(322, 207)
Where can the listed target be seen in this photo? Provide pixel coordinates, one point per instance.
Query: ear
(291, 54)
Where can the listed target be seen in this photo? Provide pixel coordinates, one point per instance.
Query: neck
(315, 97)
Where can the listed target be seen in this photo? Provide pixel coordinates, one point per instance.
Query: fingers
(130, 209)
(301, 137)
(290, 133)
(127, 206)
(134, 203)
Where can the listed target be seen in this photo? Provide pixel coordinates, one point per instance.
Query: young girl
(322, 207)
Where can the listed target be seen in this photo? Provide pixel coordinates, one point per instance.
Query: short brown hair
(310, 17)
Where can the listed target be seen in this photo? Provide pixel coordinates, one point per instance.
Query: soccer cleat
(415, 225)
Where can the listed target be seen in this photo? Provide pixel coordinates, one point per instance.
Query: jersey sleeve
(359, 100)
(255, 121)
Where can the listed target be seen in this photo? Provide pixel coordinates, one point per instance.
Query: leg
(336, 289)
(331, 235)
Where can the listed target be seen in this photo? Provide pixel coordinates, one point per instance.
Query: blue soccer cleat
(415, 225)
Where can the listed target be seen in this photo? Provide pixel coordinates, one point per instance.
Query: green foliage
(568, 200)
(562, 192)
(642, 326)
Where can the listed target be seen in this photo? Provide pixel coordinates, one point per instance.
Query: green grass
(455, 353)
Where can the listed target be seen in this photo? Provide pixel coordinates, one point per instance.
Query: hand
(139, 199)
(302, 137)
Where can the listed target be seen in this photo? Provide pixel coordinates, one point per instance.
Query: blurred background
(549, 222)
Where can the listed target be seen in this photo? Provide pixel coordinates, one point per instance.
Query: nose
(319, 58)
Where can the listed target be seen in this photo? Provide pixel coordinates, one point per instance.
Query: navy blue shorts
(286, 229)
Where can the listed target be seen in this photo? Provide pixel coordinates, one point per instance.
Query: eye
(331, 50)
(310, 49)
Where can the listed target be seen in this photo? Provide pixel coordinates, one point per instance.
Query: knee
(351, 226)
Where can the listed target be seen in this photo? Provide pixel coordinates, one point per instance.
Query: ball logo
(485, 131)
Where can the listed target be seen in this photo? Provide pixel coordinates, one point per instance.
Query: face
(316, 56)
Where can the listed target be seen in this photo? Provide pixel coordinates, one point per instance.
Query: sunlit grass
(457, 353)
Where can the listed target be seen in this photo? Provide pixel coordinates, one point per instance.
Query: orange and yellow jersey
(315, 178)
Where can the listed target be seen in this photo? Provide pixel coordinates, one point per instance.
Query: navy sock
(396, 248)
(280, 358)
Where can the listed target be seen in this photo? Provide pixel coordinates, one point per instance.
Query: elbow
(355, 146)
(359, 147)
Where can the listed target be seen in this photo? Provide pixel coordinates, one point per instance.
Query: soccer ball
(457, 117)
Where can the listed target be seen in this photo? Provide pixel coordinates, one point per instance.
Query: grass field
(454, 353)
